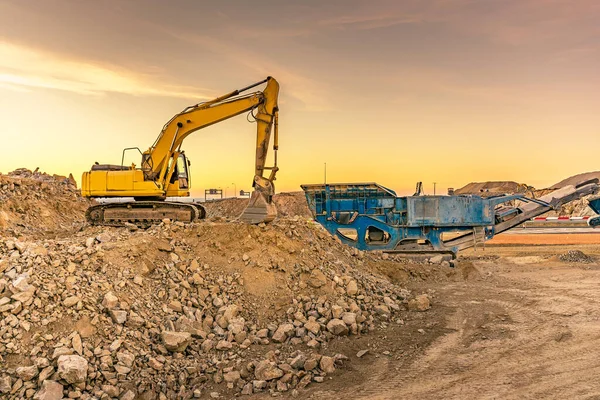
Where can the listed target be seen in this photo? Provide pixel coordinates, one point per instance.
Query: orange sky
(446, 91)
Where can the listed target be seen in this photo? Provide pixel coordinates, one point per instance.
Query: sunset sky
(446, 91)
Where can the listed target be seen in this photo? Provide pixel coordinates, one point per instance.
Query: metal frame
(380, 220)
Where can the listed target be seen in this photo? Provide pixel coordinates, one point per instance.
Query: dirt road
(520, 325)
(540, 238)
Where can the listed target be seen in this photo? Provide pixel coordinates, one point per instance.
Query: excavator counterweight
(164, 169)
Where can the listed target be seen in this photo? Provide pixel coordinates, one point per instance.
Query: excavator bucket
(259, 209)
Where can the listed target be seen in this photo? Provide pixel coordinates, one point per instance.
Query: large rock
(419, 303)
(327, 364)
(72, 368)
(231, 312)
(283, 332)
(349, 318)
(176, 341)
(267, 370)
(352, 288)
(118, 316)
(313, 326)
(317, 279)
(110, 301)
(71, 301)
(50, 390)
(337, 327)
(5, 384)
(232, 376)
(27, 373)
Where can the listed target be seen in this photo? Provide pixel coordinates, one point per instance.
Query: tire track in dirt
(542, 345)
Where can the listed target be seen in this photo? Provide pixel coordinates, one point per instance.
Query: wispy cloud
(366, 22)
(311, 93)
(23, 68)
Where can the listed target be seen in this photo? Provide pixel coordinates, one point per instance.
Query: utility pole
(326, 173)
(434, 188)
(234, 190)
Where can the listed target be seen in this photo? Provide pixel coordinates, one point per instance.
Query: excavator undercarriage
(143, 213)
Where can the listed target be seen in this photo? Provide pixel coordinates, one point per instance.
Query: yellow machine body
(164, 168)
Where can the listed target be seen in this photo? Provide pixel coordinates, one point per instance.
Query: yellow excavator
(164, 169)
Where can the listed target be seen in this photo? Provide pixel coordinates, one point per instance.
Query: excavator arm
(159, 161)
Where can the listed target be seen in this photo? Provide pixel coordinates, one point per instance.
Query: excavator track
(143, 213)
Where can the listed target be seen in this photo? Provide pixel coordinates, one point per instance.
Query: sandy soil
(510, 323)
(545, 239)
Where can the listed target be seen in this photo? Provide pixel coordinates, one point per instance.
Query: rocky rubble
(197, 311)
(36, 203)
(292, 204)
(576, 256)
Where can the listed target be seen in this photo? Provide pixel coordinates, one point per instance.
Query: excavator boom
(164, 171)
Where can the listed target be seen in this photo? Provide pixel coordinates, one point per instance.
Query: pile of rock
(292, 204)
(576, 256)
(36, 203)
(184, 311)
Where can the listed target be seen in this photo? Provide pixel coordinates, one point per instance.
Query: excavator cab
(181, 171)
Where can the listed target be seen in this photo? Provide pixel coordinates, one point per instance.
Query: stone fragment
(76, 343)
(232, 376)
(72, 368)
(283, 332)
(337, 327)
(5, 384)
(155, 364)
(27, 373)
(327, 364)
(313, 326)
(118, 316)
(298, 361)
(126, 359)
(110, 301)
(436, 259)
(71, 301)
(317, 278)
(267, 370)
(361, 353)
(111, 390)
(352, 288)
(419, 303)
(382, 309)
(349, 318)
(176, 341)
(50, 390)
(259, 385)
(128, 395)
(224, 345)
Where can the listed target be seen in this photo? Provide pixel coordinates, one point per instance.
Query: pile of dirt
(225, 208)
(576, 256)
(289, 204)
(576, 208)
(174, 311)
(492, 188)
(577, 179)
(39, 204)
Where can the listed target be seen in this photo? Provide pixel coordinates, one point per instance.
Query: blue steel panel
(449, 211)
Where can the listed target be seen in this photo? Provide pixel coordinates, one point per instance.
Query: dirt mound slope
(576, 179)
(186, 311)
(491, 188)
(289, 204)
(39, 204)
(576, 256)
